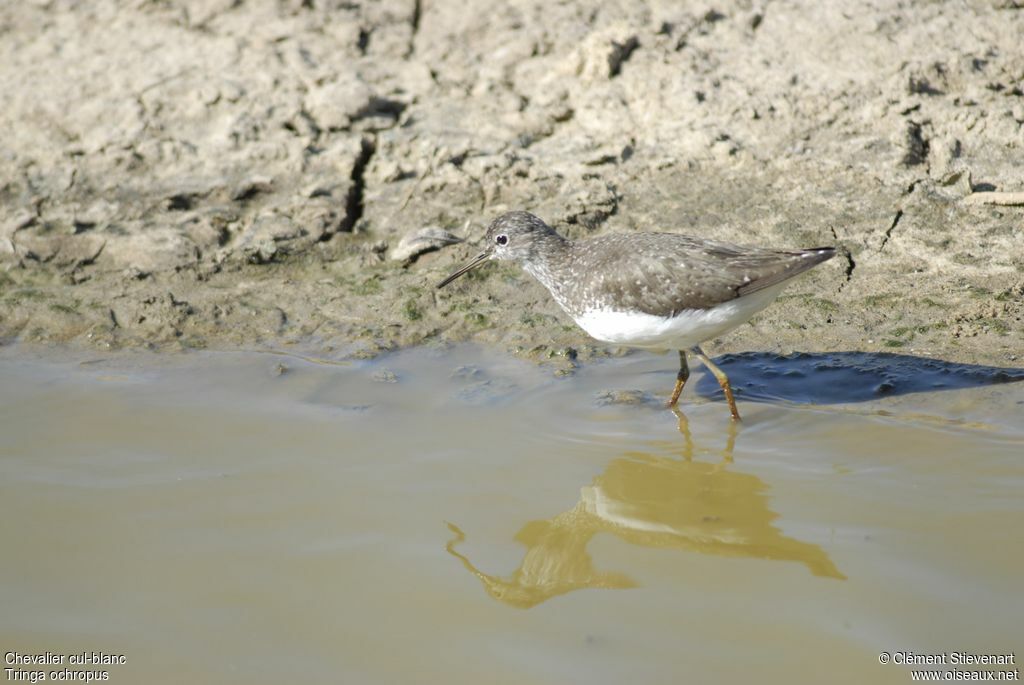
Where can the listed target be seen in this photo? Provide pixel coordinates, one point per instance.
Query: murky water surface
(460, 516)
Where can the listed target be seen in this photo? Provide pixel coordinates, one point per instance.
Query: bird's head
(512, 236)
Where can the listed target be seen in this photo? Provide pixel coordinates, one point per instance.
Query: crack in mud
(414, 21)
(620, 54)
(917, 144)
(844, 251)
(354, 200)
(892, 227)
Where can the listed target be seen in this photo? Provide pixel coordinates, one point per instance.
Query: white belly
(684, 330)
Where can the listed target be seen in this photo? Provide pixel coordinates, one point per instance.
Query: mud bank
(224, 173)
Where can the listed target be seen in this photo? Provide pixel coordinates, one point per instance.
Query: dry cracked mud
(232, 173)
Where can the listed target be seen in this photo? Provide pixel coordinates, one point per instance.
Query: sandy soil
(232, 173)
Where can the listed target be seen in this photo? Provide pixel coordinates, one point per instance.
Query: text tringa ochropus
(650, 290)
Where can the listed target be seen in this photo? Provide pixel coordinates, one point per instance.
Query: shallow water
(460, 516)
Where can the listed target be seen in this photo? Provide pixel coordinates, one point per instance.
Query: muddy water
(459, 516)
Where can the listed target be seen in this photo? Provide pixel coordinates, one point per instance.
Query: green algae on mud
(341, 297)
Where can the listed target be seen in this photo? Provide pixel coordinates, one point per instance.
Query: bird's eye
(502, 239)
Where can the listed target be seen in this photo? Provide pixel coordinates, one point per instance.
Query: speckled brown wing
(665, 273)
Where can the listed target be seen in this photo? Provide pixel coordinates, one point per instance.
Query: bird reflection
(652, 501)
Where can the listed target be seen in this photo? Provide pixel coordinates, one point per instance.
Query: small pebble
(631, 398)
(421, 240)
(385, 376)
(467, 373)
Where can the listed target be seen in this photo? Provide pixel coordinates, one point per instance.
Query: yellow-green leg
(684, 373)
(723, 380)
